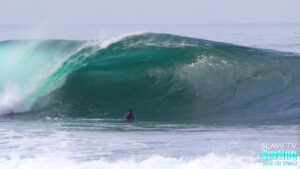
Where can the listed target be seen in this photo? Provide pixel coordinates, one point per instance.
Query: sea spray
(162, 76)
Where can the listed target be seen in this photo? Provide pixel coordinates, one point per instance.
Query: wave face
(162, 77)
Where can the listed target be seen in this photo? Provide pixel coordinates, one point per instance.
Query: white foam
(11, 100)
(106, 43)
(209, 161)
(15, 92)
(19, 84)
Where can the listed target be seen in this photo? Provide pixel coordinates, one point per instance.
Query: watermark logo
(279, 154)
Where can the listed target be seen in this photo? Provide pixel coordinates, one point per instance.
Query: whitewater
(200, 100)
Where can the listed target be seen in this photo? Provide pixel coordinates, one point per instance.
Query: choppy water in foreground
(98, 143)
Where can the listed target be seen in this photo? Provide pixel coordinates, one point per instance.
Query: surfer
(129, 116)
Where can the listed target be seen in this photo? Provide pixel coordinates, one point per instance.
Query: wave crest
(163, 77)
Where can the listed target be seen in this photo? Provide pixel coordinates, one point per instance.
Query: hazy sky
(85, 12)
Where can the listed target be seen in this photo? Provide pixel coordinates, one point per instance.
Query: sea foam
(210, 161)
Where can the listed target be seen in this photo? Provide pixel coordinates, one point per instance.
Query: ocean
(203, 96)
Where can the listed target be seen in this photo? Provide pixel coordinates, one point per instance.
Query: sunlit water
(49, 142)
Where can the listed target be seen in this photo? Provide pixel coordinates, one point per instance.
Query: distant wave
(161, 76)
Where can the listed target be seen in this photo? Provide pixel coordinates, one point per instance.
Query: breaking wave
(162, 77)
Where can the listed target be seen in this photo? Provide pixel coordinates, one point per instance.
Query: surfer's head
(130, 110)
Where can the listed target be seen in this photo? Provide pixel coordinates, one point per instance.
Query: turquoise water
(198, 103)
(162, 77)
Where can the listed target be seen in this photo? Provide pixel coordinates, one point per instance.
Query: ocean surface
(204, 96)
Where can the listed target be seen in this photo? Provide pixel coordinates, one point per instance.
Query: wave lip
(25, 67)
(163, 77)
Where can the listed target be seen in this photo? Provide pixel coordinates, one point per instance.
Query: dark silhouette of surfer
(129, 116)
